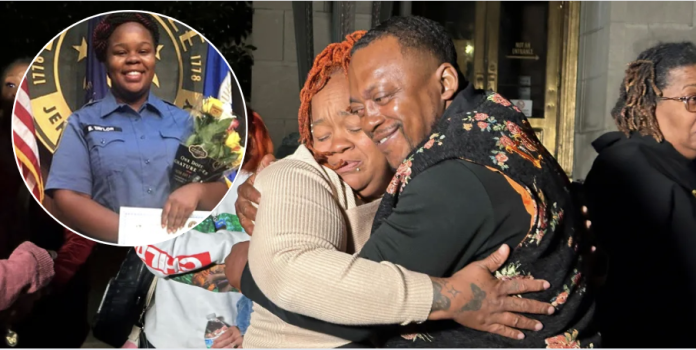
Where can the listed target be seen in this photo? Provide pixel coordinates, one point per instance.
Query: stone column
(275, 91)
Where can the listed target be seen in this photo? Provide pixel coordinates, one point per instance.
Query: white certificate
(143, 226)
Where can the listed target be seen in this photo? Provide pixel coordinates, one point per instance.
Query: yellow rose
(238, 162)
(213, 107)
(232, 140)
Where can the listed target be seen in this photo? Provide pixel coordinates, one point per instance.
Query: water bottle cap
(211, 316)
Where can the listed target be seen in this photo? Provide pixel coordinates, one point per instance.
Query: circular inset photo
(129, 127)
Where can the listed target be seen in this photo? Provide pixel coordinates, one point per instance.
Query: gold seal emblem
(58, 76)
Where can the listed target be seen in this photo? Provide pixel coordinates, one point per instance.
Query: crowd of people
(417, 211)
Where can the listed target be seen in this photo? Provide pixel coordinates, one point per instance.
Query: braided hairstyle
(333, 58)
(108, 25)
(642, 86)
(259, 141)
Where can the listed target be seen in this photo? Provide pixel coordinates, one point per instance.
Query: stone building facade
(275, 88)
(611, 34)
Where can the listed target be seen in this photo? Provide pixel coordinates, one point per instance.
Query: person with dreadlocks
(315, 217)
(641, 196)
(119, 151)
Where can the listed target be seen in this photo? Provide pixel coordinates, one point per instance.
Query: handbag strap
(151, 293)
(148, 301)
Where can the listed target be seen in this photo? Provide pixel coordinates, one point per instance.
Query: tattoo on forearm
(475, 303)
(453, 291)
(440, 301)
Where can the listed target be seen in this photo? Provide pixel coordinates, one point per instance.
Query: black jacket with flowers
(486, 129)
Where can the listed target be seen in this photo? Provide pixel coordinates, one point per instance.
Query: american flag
(25, 144)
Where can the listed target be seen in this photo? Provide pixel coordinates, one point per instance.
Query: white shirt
(178, 314)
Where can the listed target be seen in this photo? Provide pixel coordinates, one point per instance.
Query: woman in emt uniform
(119, 151)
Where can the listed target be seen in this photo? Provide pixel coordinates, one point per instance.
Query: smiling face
(338, 133)
(130, 62)
(10, 84)
(398, 97)
(678, 125)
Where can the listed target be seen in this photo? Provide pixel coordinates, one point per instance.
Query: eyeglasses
(689, 102)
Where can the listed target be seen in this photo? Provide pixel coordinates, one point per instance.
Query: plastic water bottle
(214, 329)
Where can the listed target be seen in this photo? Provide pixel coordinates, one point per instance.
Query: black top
(432, 231)
(641, 196)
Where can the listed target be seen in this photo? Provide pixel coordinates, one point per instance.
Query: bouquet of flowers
(212, 150)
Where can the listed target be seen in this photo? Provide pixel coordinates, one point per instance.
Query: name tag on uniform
(91, 128)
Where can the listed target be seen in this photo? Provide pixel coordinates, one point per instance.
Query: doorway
(526, 51)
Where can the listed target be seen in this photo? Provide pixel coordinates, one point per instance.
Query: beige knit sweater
(306, 223)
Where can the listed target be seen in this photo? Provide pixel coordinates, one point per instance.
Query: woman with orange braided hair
(641, 196)
(119, 151)
(315, 216)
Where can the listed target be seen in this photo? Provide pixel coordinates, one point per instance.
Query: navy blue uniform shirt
(119, 156)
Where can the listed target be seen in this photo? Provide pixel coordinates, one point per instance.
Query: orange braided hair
(334, 57)
(259, 142)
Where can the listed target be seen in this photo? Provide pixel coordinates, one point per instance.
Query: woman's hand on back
(235, 263)
(245, 206)
(248, 197)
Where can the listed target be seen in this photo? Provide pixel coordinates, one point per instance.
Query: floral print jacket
(486, 129)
